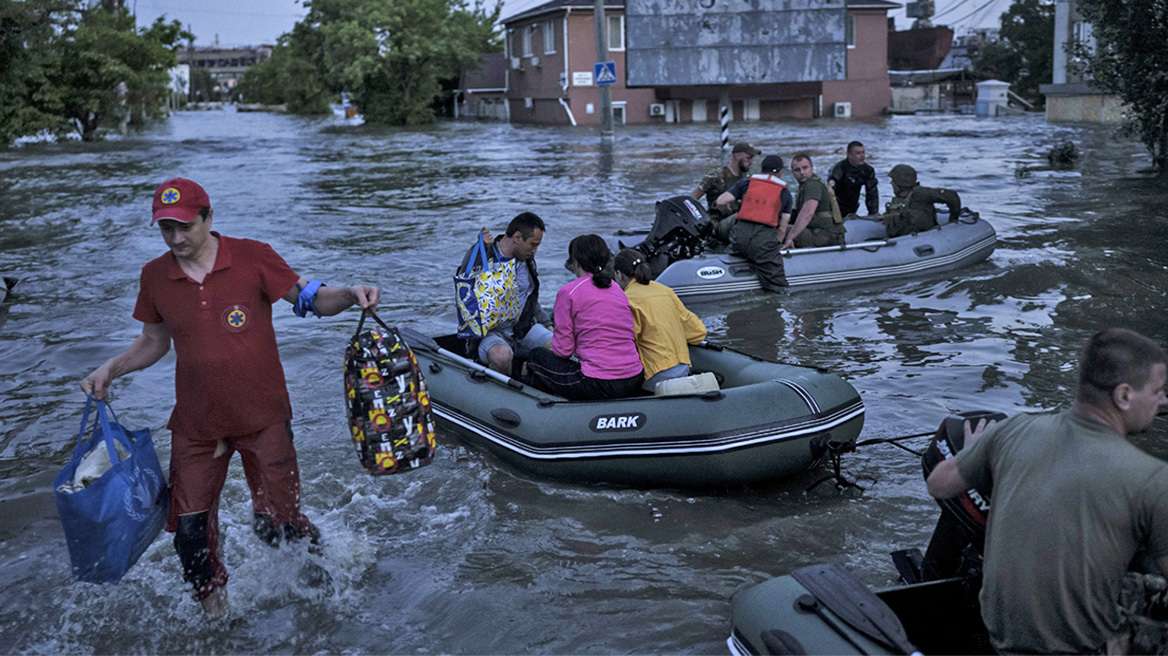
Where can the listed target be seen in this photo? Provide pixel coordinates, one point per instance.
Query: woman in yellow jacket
(662, 323)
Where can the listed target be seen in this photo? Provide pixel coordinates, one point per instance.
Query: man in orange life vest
(762, 221)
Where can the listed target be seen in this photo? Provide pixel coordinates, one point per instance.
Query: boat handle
(505, 416)
(923, 251)
(435, 367)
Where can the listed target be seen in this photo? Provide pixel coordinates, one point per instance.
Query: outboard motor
(958, 540)
(677, 232)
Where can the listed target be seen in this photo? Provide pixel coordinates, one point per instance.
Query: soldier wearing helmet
(912, 208)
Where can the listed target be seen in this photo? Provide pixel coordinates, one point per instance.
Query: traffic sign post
(604, 72)
(602, 68)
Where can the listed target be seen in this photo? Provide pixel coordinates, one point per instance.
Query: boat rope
(895, 441)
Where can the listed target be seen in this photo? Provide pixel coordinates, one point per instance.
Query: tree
(1024, 55)
(27, 104)
(202, 85)
(80, 64)
(393, 55)
(1128, 59)
(111, 71)
(291, 75)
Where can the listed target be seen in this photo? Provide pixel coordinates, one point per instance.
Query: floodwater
(469, 555)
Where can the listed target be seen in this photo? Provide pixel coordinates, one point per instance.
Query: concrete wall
(911, 99)
(1084, 108)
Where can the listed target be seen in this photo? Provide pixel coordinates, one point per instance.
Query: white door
(699, 111)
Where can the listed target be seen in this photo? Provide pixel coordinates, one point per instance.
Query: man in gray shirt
(1072, 502)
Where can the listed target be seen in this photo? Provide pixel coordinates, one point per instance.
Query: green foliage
(28, 104)
(392, 56)
(291, 75)
(1131, 48)
(80, 64)
(202, 85)
(1024, 56)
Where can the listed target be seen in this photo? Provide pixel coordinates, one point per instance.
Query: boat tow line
(895, 441)
(836, 450)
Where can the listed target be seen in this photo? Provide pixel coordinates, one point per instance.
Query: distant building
(226, 65)
(967, 47)
(482, 93)
(551, 48)
(919, 48)
(1070, 96)
(939, 90)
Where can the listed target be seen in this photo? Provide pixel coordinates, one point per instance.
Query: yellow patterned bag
(389, 407)
(485, 293)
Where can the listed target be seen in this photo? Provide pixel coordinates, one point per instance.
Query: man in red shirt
(213, 295)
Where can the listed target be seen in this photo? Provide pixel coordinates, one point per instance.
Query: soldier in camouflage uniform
(912, 208)
(719, 180)
(818, 221)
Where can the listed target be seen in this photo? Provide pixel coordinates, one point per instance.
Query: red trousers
(196, 480)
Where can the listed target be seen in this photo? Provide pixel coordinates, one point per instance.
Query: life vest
(763, 200)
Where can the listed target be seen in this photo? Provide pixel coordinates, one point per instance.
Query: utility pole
(602, 56)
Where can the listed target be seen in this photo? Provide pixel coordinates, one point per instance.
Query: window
(616, 32)
(549, 37)
(527, 34)
(618, 112)
(850, 30)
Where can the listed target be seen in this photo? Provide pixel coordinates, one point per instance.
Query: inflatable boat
(825, 609)
(767, 421)
(683, 259)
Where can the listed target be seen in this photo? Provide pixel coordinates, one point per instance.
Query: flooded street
(468, 555)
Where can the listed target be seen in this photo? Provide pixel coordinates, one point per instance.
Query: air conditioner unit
(842, 110)
(535, 61)
(515, 62)
(656, 109)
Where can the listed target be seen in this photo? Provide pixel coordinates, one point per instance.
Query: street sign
(604, 72)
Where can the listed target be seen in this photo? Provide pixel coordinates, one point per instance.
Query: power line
(185, 8)
(950, 10)
(974, 12)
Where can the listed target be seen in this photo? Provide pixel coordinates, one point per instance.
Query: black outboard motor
(956, 546)
(677, 232)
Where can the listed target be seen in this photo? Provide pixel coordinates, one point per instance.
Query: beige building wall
(1093, 108)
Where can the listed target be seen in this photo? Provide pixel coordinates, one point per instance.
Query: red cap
(180, 200)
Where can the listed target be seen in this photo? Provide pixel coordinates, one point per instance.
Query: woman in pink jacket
(593, 322)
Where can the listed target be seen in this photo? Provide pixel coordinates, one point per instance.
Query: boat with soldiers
(684, 257)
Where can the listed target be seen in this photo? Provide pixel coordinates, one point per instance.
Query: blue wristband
(306, 300)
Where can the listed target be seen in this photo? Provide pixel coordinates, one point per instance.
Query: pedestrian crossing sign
(604, 72)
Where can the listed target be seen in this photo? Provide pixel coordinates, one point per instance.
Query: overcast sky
(257, 22)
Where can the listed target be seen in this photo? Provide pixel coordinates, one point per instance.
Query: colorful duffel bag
(389, 408)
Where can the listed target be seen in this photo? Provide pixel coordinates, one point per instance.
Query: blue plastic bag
(111, 521)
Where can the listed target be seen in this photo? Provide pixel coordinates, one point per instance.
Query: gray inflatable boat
(683, 261)
(768, 421)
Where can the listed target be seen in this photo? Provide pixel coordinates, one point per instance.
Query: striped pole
(724, 115)
(725, 127)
